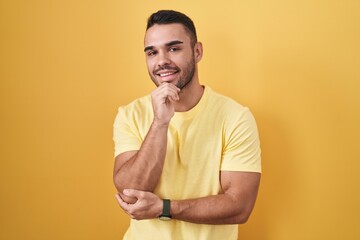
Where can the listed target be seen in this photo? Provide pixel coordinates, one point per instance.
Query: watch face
(165, 218)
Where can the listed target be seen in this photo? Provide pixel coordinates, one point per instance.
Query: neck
(189, 96)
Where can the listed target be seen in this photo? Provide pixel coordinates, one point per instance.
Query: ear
(198, 51)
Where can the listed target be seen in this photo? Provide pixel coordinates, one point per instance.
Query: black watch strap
(165, 215)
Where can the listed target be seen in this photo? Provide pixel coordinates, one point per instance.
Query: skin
(172, 65)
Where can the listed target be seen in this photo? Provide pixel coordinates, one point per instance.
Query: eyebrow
(175, 42)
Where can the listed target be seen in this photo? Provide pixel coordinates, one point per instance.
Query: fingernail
(126, 192)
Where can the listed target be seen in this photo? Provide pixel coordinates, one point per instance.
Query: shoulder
(225, 105)
(231, 114)
(136, 112)
(140, 105)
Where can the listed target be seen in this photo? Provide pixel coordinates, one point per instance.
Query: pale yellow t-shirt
(216, 135)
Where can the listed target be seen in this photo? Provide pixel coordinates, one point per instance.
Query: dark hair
(171, 16)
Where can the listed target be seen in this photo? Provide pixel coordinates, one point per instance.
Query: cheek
(184, 61)
(179, 60)
(149, 65)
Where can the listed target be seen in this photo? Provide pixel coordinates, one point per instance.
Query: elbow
(118, 184)
(120, 188)
(243, 213)
(242, 218)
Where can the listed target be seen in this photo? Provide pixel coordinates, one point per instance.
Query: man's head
(171, 16)
(171, 48)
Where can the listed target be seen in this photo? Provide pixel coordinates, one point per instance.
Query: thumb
(132, 193)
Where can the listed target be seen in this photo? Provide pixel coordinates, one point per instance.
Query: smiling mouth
(166, 74)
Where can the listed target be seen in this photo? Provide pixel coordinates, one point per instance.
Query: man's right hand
(163, 98)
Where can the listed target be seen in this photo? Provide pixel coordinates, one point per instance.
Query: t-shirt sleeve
(241, 150)
(126, 136)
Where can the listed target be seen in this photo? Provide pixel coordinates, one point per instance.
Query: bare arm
(142, 169)
(233, 206)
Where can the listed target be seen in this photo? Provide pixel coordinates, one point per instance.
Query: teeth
(165, 74)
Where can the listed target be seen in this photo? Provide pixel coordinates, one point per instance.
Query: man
(184, 153)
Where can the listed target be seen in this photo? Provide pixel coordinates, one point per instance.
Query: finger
(168, 86)
(170, 93)
(122, 204)
(166, 90)
(133, 193)
(118, 198)
(173, 99)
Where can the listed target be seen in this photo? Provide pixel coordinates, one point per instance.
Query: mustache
(165, 67)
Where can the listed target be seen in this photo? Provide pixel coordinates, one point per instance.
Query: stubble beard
(188, 75)
(184, 81)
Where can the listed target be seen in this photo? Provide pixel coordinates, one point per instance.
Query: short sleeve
(126, 136)
(241, 151)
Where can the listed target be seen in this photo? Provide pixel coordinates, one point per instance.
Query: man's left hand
(147, 206)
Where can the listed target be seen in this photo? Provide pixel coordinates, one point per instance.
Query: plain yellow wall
(67, 65)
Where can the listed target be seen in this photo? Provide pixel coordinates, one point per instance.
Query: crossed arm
(136, 177)
(141, 169)
(137, 173)
(233, 206)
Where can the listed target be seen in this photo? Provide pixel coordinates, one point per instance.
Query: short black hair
(171, 16)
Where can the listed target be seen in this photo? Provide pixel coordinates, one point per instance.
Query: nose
(163, 59)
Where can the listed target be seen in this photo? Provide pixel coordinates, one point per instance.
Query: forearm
(218, 209)
(233, 206)
(144, 169)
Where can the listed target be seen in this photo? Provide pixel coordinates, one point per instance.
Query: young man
(184, 153)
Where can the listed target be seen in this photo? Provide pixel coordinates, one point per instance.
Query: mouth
(166, 75)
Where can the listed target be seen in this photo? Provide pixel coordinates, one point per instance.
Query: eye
(174, 49)
(151, 53)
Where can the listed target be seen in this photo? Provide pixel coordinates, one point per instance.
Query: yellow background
(67, 65)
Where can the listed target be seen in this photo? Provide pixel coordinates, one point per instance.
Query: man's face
(169, 54)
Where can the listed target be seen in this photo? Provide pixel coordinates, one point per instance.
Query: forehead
(160, 34)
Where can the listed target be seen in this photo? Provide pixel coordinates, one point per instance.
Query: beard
(186, 75)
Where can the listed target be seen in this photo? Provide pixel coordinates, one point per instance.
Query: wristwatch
(165, 215)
